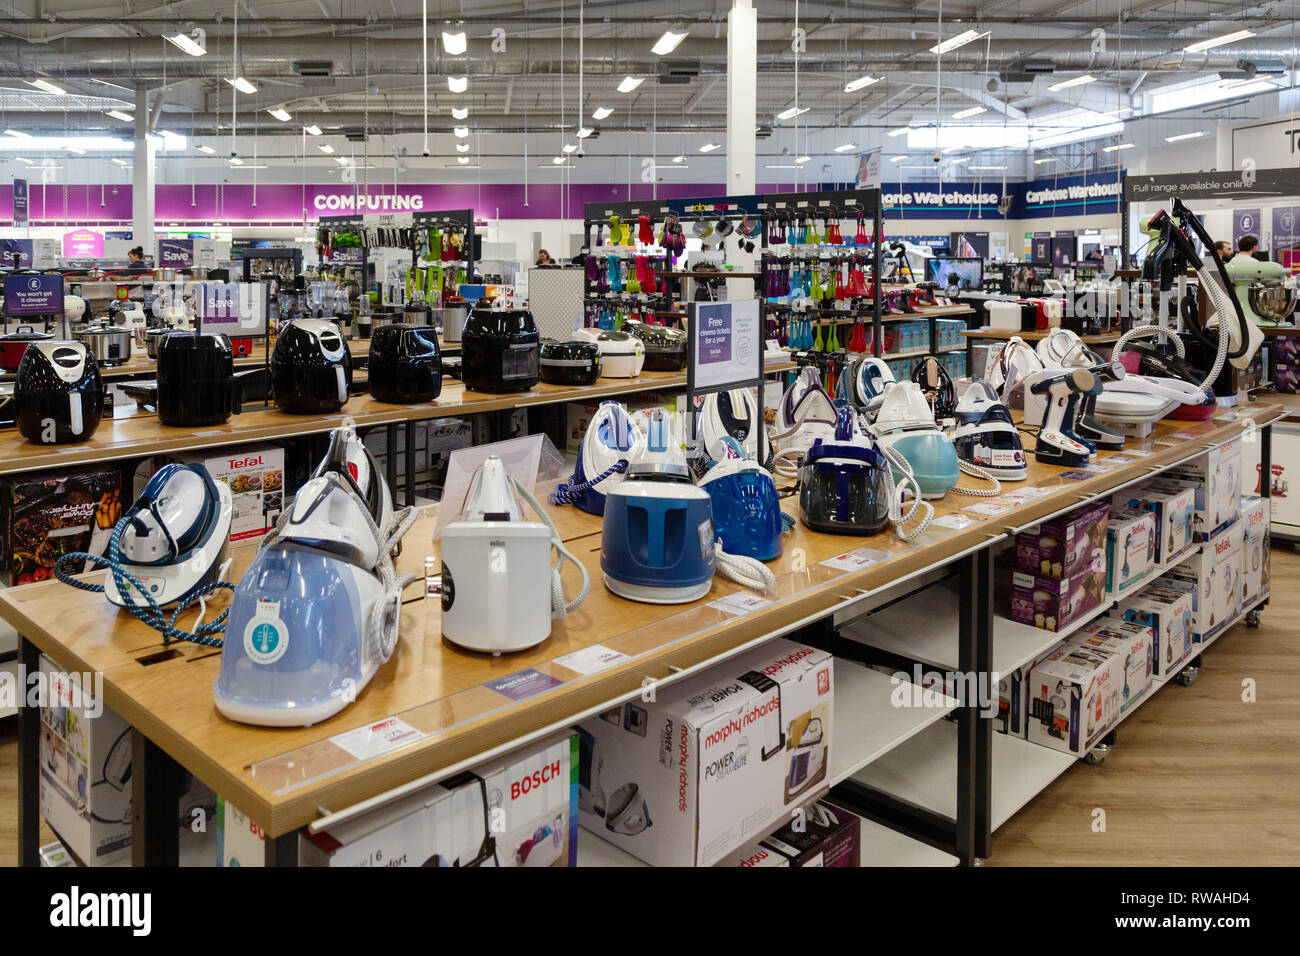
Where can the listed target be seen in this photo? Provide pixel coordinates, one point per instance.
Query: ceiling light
(710, 147)
(18, 134)
(846, 147)
(460, 131)
(584, 132)
(1112, 149)
(343, 160)
(1182, 136)
(669, 166)
(859, 83)
(679, 159)
(630, 83)
(558, 161)
(1203, 91)
(118, 114)
(462, 147)
(952, 149)
(803, 159)
(780, 166)
(792, 112)
(119, 162)
(312, 130)
(1073, 81)
(236, 161)
(1201, 45)
(1046, 159)
(281, 114)
(900, 131)
(961, 39)
(969, 111)
(668, 42)
(467, 166)
(897, 159)
(914, 167)
(47, 86)
(242, 85)
(458, 84)
(460, 112)
(462, 160)
(601, 112)
(453, 43)
(191, 43)
(958, 160)
(325, 148)
(205, 149)
(570, 148)
(75, 149)
(989, 169)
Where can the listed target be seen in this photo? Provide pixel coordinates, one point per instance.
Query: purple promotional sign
(175, 253)
(22, 248)
(715, 336)
(1063, 247)
(349, 256)
(34, 294)
(1246, 222)
(83, 244)
(525, 683)
(1042, 247)
(20, 202)
(1286, 226)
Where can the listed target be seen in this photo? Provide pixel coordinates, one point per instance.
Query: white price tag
(1028, 494)
(589, 660)
(989, 508)
(957, 522)
(1120, 460)
(855, 560)
(742, 602)
(378, 738)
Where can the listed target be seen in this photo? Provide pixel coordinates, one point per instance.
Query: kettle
(311, 368)
(58, 393)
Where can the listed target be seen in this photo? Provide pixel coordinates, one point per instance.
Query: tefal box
(1131, 643)
(822, 835)
(1068, 694)
(1130, 548)
(1216, 575)
(1168, 612)
(1052, 604)
(518, 810)
(1174, 508)
(1254, 552)
(255, 476)
(1013, 698)
(1216, 479)
(85, 756)
(1056, 548)
(713, 761)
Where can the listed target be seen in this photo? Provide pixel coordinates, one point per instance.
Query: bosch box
(1168, 612)
(713, 761)
(517, 810)
(1130, 548)
(1052, 604)
(1174, 508)
(255, 475)
(1056, 548)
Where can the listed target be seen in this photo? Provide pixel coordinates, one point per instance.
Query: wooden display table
(285, 778)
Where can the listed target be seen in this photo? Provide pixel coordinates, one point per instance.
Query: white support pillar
(742, 96)
(142, 181)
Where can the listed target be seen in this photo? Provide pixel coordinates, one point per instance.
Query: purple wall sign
(34, 294)
(1063, 247)
(715, 336)
(1042, 248)
(83, 244)
(1246, 222)
(19, 247)
(175, 253)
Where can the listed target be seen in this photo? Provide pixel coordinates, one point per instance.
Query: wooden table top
(282, 777)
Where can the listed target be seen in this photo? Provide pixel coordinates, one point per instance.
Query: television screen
(966, 274)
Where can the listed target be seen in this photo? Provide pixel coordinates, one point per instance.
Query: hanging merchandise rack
(443, 242)
(619, 281)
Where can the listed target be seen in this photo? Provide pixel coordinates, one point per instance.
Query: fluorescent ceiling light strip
(846, 147)
(460, 131)
(792, 112)
(118, 114)
(601, 112)
(1046, 159)
(1184, 136)
(1113, 149)
(1202, 45)
(1073, 81)
(855, 85)
(185, 43)
(325, 148)
(312, 130)
(205, 149)
(988, 169)
(462, 147)
(901, 131)
(281, 114)
(584, 132)
(458, 84)
(18, 134)
(47, 86)
(460, 112)
(971, 111)
(630, 83)
(960, 40)
(679, 159)
(710, 147)
(668, 42)
(454, 43)
(243, 85)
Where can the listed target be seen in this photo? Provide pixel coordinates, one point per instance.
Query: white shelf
(866, 722)
(923, 627)
(593, 851)
(1134, 586)
(923, 771)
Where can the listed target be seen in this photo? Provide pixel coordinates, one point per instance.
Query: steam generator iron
(316, 613)
(985, 434)
(733, 413)
(499, 590)
(806, 413)
(906, 424)
(612, 440)
(747, 514)
(863, 384)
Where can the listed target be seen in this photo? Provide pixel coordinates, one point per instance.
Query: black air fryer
(499, 351)
(311, 368)
(196, 379)
(405, 364)
(665, 346)
(570, 363)
(58, 394)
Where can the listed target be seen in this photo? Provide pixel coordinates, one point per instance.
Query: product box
(47, 515)
(54, 854)
(826, 835)
(1051, 604)
(578, 414)
(1216, 479)
(1056, 548)
(518, 810)
(240, 841)
(1174, 508)
(1013, 698)
(1069, 707)
(255, 475)
(1131, 643)
(85, 756)
(714, 761)
(1216, 575)
(1168, 612)
(1254, 553)
(1130, 548)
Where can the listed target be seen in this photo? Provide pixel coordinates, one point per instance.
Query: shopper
(1224, 249)
(544, 258)
(135, 260)
(1246, 247)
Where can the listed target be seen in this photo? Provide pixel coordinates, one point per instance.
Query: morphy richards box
(1057, 548)
(713, 761)
(517, 810)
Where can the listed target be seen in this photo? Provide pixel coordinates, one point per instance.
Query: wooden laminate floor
(1198, 777)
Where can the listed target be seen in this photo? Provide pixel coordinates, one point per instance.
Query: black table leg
(410, 463)
(967, 714)
(392, 460)
(155, 785)
(29, 761)
(282, 851)
(983, 765)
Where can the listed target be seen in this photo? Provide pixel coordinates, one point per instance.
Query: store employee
(135, 260)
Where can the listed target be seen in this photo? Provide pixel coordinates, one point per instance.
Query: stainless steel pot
(151, 339)
(110, 344)
(1271, 300)
(453, 320)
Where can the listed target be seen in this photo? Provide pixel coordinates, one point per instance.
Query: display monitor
(966, 273)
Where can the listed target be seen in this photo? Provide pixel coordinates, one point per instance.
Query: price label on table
(957, 522)
(855, 560)
(1120, 460)
(990, 508)
(1031, 493)
(1075, 475)
(378, 738)
(589, 660)
(1097, 467)
(742, 602)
